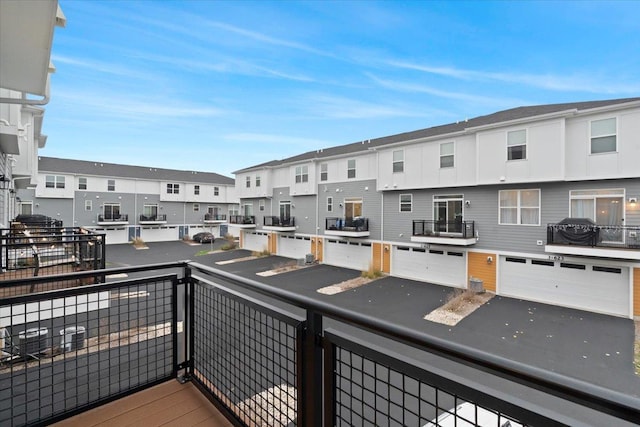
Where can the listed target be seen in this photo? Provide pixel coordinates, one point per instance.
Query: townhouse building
(539, 202)
(126, 202)
(26, 37)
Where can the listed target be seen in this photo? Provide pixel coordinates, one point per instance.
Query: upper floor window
(519, 207)
(329, 204)
(351, 168)
(447, 155)
(398, 161)
(603, 136)
(82, 183)
(88, 205)
(196, 207)
(517, 145)
(258, 180)
(261, 205)
(196, 190)
(111, 185)
(54, 181)
(406, 202)
(302, 174)
(173, 188)
(216, 191)
(324, 171)
(247, 182)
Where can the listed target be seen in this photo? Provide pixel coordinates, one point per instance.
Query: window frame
(196, 190)
(111, 185)
(55, 181)
(519, 207)
(351, 169)
(247, 182)
(592, 137)
(402, 204)
(216, 191)
(302, 174)
(258, 181)
(324, 171)
(397, 164)
(513, 145)
(82, 183)
(196, 207)
(329, 203)
(261, 205)
(173, 188)
(452, 155)
(88, 205)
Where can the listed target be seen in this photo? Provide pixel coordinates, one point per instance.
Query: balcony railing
(355, 227)
(214, 217)
(70, 350)
(39, 251)
(279, 221)
(602, 236)
(120, 218)
(461, 233)
(153, 218)
(242, 220)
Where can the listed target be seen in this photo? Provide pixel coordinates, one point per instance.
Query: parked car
(469, 415)
(204, 237)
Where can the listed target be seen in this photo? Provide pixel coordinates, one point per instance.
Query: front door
(447, 213)
(111, 211)
(604, 207)
(285, 211)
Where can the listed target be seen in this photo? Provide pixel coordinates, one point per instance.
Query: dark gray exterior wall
(483, 209)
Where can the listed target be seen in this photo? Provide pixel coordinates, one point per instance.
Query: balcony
(456, 233)
(580, 236)
(152, 219)
(242, 221)
(118, 219)
(70, 350)
(210, 218)
(277, 223)
(347, 227)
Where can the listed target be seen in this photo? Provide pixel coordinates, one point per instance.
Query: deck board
(167, 404)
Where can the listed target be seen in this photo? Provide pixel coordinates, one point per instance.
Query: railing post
(310, 406)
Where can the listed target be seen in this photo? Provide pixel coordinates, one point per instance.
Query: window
(517, 145)
(603, 136)
(111, 211)
(26, 208)
(329, 204)
(88, 205)
(406, 202)
(216, 191)
(247, 182)
(82, 183)
(54, 181)
(324, 172)
(257, 180)
(352, 207)
(196, 207)
(196, 190)
(605, 207)
(398, 161)
(261, 205)
(173, 188)
(111, 185)
(351, 168)
(447, 155)
(519, 207)
(302, 174)
(234, 210)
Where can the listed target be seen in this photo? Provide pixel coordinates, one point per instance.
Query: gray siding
(371, 203)
(303, 208)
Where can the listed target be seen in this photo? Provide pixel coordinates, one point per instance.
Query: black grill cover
(577, 231)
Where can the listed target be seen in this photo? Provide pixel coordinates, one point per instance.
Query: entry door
(111, 211)
(352, 208)
(605, 208)
(447, 212)
(285, 210)
(150, 211)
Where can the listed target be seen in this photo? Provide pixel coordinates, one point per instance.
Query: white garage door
(293, 246)
(115, 236)
(159, 234)
(347, 254)
(445, 267)
(593, 287)
(255, 241)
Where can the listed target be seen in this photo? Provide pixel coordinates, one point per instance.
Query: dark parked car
(204, 237)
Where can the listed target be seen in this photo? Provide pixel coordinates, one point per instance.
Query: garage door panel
(603, 289)
(295, 248)
(159, 234)
(347, 254)
(257, 242)
(434, 266)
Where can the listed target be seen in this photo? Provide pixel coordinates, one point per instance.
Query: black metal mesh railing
(69, 350)
(246, 355)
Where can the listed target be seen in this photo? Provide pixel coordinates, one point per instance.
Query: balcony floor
(167, 404)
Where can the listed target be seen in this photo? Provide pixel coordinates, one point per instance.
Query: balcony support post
(310, 404)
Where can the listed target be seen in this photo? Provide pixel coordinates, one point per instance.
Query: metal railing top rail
(582, 392)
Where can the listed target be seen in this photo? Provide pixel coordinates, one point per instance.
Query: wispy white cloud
(336, 107)
(265, 138)
(572, 82)
(103, 67)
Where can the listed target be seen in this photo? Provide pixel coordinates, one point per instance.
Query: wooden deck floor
(167, 404)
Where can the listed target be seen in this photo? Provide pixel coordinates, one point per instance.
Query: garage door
(255, 241)
(159, 234)
(445, 267)
(293, 246)
(347, 254)
(114, 236)
(594, 287)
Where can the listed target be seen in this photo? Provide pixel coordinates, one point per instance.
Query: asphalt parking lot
(588, 346)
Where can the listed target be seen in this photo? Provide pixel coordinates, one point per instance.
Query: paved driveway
(593, 347)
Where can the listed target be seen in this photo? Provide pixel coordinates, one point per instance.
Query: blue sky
(219, 86)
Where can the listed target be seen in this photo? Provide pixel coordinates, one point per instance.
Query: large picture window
(519, 207)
